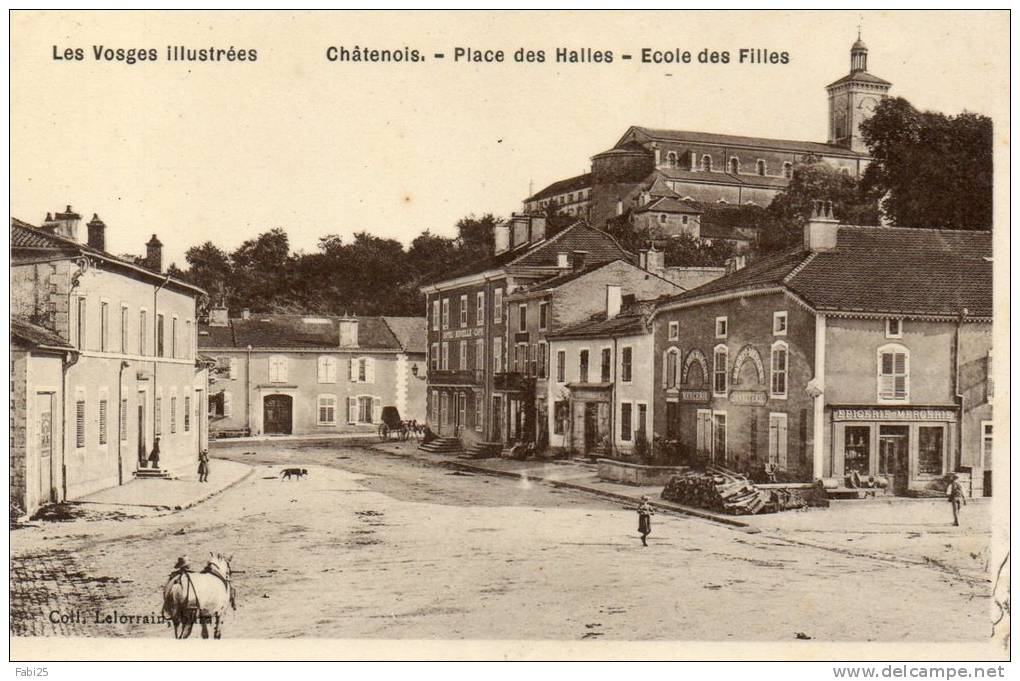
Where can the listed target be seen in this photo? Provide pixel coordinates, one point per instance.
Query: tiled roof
(578, 237)
(741, 141)
(571, 184)
(36, 335)
(600, 327)
(724, 177)
(895, 270)
(410, 332)
(667, 204)
(571, 275)
(859, 77)
(303, 331)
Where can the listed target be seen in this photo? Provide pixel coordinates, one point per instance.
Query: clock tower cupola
(853, 98)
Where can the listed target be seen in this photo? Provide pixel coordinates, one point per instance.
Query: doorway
(591, 426)
(141, 430)
(496, 425)
(277, 413)
(894, 456)
(44, 404)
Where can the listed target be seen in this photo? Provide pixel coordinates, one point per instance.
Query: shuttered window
(327, 369)
(79, 423)
(362, 369)
(626, 421)
(780, 357)
(187, 413)
(123, 420)
(103, 422)
(173, 414)
(277, 369)
(480, 308)
(778, 440)
(158, 416)
(720, 378)
(893, 373)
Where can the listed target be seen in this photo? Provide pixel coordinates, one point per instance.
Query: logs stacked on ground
(720, 489)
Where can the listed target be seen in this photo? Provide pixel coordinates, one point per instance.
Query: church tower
(853, 98)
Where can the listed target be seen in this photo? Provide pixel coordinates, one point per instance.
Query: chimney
(577, 259)
(245, 313)
(97, 233)
(64, 224)
(501, 236)
(49, 224)
(655, 261)
(154, 255)
(614, 300)
(821, 230)
(348, 332)
(537, 228)
(219, 316)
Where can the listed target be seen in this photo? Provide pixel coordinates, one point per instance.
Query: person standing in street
(954, 491)
(203, 466)
(645, 512)
(154, 455)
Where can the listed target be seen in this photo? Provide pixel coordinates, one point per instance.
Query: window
(219, 405)
(779, 323)
(542, 350)
(366, 407)
(857, 449)
(277, 369)
(722, 327)
(79, 422)
(671, 159)
(607, 365)
(684, 219)
(497, 306)
(521, 357)
(479, 308)
(706, 163)
(477, 399)
(670, 366)
(362, 369)
(79, 330)
(446, 313)
(143, 332)
(173, 338)
(719, 436)
(561, 366)
(327, 410)
(561, 414)
(780, 357)
(463, 310)
(893, 368)
(760, 167)
(159, 335)
(734, 166)
(522, 317)
(662, 218)
(583, 366)
(987, 442)
(625, 421)
(173, 413)
(445, 355)
(434, 356)
(187, 339)
(235, 365)
(158, 414)
(122, 420)
(462, 355)
(788, 170)
(627, 364)
(103, 421)
(894, 328)
(461, 410)
(327, 369)
(435, 314)
(104, 326)
(480, 354)
(543, 316)
(642, 422)
(930, 446)
(720, 375)
(187, 414)
(497, 355)
(124, 329)
(674, 331)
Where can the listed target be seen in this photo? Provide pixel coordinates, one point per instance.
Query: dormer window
(662, 218)
(671, 159)
(788, 170)
(734, 166)
(894, 328)
(760, 167)
(706, 163)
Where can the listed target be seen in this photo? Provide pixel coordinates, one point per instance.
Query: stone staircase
(159, 473)
(483, 450)
(443, 445)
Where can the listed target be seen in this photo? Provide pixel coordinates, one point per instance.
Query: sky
(225, 151)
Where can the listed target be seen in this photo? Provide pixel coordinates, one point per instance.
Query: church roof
(695, 137)
(859, 77)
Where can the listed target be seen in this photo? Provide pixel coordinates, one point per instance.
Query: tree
(686, 250)
(261, 274)
(476, 236)
(209, 268)
(932, 170)
(781, 225)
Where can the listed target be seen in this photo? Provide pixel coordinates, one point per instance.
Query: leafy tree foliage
(932, 170)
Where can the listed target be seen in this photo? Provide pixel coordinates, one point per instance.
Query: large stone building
(103, 359)
(868, 350)
(710, 167)
(280, 374)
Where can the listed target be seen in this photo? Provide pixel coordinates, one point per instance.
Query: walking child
(954, 491)
(645, 513)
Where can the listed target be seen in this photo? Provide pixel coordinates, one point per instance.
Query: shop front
(590, 409)
(910, 447)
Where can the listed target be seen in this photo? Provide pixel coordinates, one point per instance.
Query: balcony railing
(457, 377)
(511, 380)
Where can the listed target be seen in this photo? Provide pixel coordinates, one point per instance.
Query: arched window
(760, 167)
(662, 218)
(893, 373)
(779, 369)
(671, 159)
(734, 166)
(720, 370)
(706, 163)
(788, 170)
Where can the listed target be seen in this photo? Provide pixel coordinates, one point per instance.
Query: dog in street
(288, 473)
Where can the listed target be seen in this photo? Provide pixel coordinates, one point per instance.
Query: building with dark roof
(712, 167)
(290, 374)
(103, 351)
(863, 354)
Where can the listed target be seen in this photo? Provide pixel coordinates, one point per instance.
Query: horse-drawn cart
(393, 426)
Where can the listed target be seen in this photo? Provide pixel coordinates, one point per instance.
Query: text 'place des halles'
(718, 387)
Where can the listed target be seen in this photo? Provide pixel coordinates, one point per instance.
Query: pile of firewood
(720, 489)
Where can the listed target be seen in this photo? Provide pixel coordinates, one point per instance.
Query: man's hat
(182, 562)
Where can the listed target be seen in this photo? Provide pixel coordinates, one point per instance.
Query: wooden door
(44, 440)
(277, 413)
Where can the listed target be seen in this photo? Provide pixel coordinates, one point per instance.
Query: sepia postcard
(517, 335)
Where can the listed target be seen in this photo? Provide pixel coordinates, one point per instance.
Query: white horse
(199, 596)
